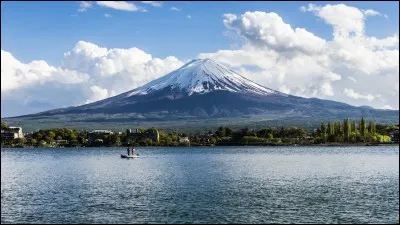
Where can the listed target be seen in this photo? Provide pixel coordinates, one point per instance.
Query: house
(98, 135)
(11, 133)
(137, 135)
(184, 140)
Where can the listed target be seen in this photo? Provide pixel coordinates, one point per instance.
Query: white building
(98, 135)
(11, 133)
(184, 139)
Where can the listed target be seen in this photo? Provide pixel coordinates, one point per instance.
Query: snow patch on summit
(202, 76)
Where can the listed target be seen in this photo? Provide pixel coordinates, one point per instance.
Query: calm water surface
(201, 185)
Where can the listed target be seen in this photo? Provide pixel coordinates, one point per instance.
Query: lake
(201, 185)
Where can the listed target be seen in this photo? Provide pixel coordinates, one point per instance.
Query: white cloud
(153, 3)
(84, 5)
(268, 29)
(189, 17)
(371, 12)
(174, 9)
(352, 94)
(118, 5)
(99, 93)
(352, 67)
(308, 65)
(386, 107)
(16, 75)
(88, 71)
(346, 20)
(107, 15)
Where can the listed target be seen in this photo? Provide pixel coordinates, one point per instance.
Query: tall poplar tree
(346, 130)
(371, 127)
(354, 126)
(363, 126)
(323, 131)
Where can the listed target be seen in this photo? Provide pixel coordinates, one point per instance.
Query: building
(184, 140)
(11, 133)
(137, 135)
(98, 136)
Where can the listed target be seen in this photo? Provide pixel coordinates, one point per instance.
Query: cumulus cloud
(87, 73)
(269, 29)
(15, 75)
(118, 5)
(107, 15)
(346, 20)
(352, 67)
(117, 69)
(296, 61)
(352, 94)
(99, 93)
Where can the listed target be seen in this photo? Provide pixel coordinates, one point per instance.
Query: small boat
(129, 156)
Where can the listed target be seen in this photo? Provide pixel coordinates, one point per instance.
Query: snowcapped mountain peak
(201, 76)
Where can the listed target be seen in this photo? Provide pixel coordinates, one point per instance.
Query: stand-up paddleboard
(129, 156)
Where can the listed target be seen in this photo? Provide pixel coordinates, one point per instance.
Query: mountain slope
(203, 76)
(204, 88)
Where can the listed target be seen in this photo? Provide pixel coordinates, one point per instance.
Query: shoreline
(193, 146)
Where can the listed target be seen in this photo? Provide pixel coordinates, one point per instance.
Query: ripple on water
(201, 185)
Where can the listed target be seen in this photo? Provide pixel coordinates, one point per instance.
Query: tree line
(350, 131)
(346, 131)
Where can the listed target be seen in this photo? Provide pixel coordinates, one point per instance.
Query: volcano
(204, 88)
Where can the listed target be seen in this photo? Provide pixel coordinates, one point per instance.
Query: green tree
(3, 125)
(228, 131)
(331, 129)
(50, 136)
(213, 141)
(20, 141)
(38, 136)
(42, 143)
(323, 132)
(353, 126)
(221, 132)
(71, 136)
(338, 129)
(371, 127)
(346, 130)
(33, 142)
(363, 127)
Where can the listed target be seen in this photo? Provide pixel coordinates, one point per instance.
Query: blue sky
(45, 30)
(52, 49)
